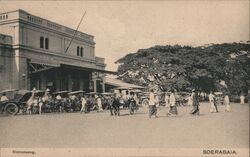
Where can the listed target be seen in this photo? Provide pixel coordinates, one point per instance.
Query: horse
(31, 100)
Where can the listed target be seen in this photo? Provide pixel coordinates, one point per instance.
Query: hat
(193, 90)
(47, 90)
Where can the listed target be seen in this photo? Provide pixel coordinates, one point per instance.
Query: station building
(33, 54)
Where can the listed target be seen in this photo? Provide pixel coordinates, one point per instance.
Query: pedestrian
(227, 103)
(166, 100)
(242, 99)
(99, 103)
(110, 104)
(83, 102)
(136, 102)
(190, 100)
(211, 99)
(195, 110)
(4, 97)
(157, 102)
(152, 105)
(116, 105)
(44, 100)
(172, 103)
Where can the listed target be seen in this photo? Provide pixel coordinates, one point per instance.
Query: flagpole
(75, 32)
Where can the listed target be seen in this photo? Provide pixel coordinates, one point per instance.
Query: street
(95, 130)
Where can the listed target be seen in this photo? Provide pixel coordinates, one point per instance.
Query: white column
(103, 84)
(95, 85)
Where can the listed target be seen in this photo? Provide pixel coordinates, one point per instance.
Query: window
(81, 51)
(46, 43)
(78, 49)
(6, 16)
(41, 42)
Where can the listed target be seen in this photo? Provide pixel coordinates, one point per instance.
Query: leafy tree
(186, 67)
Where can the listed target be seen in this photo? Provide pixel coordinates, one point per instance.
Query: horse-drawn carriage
(18, 103)
(66, 101)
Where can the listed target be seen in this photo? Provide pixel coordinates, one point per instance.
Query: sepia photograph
(124, 78)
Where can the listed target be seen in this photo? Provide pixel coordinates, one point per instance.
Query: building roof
(24, 16)
(120, 83)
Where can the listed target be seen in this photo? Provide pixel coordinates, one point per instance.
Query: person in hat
(99, 103)
(116, 104)
(152, 104)
(195, 110)
(172, 103)
(166, 100)
(227, 103)
(83, 103)
(211, 99)
(4, 97)
(242, 99)
(110, 100)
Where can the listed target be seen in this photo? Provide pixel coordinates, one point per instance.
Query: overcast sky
(124, 27)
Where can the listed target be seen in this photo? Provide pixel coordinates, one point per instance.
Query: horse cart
(18, 103)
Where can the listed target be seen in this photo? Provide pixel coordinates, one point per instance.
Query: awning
(88, 69)
(36, 67)
(43, 66)
(120, 84)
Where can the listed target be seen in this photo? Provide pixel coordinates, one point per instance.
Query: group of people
(193, 100)
(95, 102)
(129, 100)
(112, 102)
(171, 103)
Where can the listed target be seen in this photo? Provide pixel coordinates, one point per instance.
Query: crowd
(193, 100)
(115, 101)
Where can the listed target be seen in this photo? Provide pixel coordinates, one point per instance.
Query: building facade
(33, 54)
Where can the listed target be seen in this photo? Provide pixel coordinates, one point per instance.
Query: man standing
(242, 99)
(84, 102)
(99, 103)
(116, 105)
(195, 110)
(212, 102)
(172, 102)
(166, 100)
(152, 105)
(110, 104)
(227, 103)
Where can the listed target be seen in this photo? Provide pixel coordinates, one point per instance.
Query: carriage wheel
(145, 102)
(11, 109)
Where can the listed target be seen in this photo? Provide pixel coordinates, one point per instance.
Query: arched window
(46, 43)
(41, 42)
(81, 51)
(78, 49)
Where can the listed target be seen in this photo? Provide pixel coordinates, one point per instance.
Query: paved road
(101, 130)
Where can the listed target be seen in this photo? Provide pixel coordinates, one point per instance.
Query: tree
(185, 67)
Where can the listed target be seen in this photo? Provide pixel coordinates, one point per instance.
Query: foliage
(186, 67)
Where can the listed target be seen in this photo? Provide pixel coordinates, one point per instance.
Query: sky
(122, 27)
